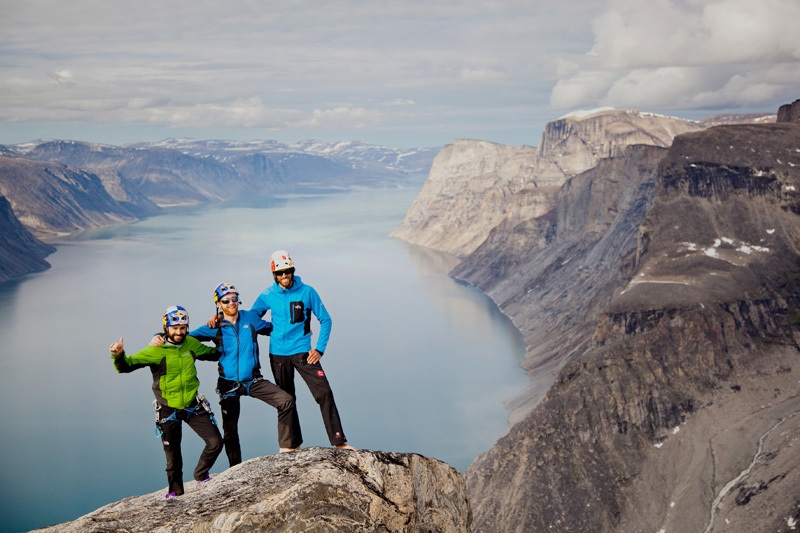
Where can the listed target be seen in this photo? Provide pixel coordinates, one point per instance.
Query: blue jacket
(238, 345)
(291, 311)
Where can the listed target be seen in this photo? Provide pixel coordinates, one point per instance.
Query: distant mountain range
(56, 187)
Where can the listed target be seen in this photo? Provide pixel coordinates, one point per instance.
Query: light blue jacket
(291, 311)
(237, 344)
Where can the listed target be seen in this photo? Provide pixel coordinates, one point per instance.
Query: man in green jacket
(175, 386)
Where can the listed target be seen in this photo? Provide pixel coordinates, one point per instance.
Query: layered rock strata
(554, 274)
(679, 413)
(475, 185)
(789, 112)
(313, 490)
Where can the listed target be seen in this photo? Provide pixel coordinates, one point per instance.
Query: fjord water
(418, 362)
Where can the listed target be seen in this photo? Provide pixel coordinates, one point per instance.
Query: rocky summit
(312, 490)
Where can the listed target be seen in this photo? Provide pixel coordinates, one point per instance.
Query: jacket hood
(277, 289)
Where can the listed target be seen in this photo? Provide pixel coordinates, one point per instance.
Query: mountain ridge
(140, 179)
(658, 294)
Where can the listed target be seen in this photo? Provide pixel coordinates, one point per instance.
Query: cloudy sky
(400, 73)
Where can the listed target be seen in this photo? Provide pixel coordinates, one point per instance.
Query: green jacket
(175, 380)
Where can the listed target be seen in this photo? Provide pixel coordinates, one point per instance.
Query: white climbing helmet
(280, 260)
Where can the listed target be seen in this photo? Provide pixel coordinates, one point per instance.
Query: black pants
(172, 433)
(288, 427)
(283, 367)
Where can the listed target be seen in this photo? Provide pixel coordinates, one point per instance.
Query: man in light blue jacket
(291, 304)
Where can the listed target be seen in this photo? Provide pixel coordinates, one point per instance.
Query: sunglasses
(281, 273)
(234, 299)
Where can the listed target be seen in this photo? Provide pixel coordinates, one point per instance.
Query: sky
(410, 73)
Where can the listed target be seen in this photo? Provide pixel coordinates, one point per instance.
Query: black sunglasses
(279, 273)
(234, 299)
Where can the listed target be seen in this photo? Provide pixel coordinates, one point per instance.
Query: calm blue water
(417, 362)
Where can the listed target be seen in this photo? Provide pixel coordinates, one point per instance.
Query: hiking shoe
(344, 447)
(287, 450)
(170, 495)
(203, 482)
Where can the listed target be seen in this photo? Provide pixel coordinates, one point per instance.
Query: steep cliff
(789, 112)
(313, 490)
(677, 411)
(475, 185)
(554, 274)
(20, 252)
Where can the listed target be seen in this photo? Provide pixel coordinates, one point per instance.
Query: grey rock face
(789, 112)
(474, 186)
(313, 490)
(680, 410)
(556, 273)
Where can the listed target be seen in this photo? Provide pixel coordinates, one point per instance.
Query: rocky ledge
(313, 490)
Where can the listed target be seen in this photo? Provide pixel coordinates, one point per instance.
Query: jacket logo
(320, 374)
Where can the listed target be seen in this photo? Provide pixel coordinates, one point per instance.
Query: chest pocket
(298, 312)
(301, 315)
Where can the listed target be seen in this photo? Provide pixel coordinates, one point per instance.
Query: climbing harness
(203, 406)
(234, 391)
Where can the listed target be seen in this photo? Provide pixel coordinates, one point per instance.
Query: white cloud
(455, 68)
(687, 55)
(480, 75)
(341, 117)
(434, 69)
(400, 102)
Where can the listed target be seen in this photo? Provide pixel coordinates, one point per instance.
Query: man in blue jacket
(291, 304)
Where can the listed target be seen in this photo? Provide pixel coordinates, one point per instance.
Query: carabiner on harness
(203, 403)
(158, 431)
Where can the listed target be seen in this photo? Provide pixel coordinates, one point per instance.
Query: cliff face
(789, 112)
(678, 411)
(313, 490)
(554, 274)
(20, 252)
(467, 193)
(475, 185)
(52, 199)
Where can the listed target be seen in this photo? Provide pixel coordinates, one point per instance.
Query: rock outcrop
(473, 186)
(789, 112)
(679, 410)
(313, 490)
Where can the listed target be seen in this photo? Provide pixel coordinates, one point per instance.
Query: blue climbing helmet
(176, 315)
(224, 289)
